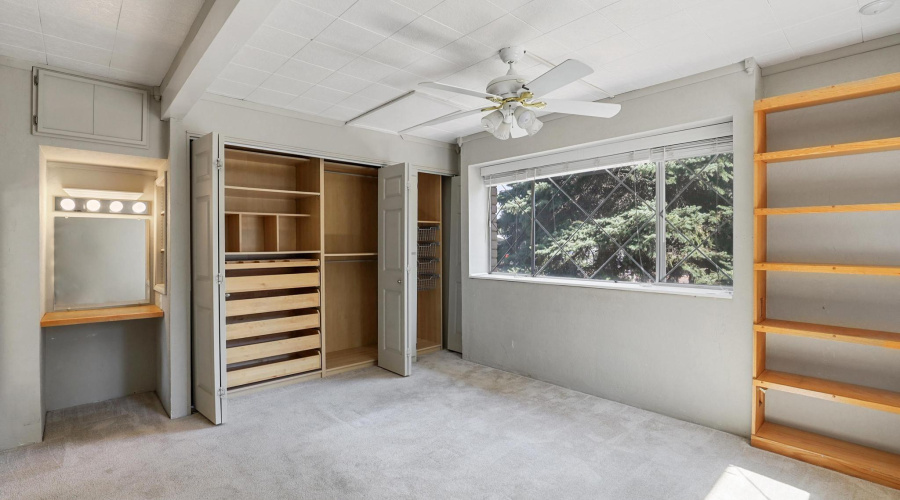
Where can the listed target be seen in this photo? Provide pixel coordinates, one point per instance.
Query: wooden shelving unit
(273, 214)
(860, 461)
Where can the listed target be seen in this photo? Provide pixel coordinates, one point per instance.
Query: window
(659, 216)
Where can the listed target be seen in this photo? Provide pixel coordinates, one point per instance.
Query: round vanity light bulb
(139, 207)
(92, 205)
(67, 204)
(116, 206)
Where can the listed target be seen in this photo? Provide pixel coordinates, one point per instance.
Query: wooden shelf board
(857, 395)
(269, 371)
(824, 95)
(285, 252)
(828, 268)
(860, 461)
(250, 192)
(63, 318)
(361, 254)
(266, 213)
(350, 359)
(825, 209)
(429, 222)
(873, 146)
(267, 264)
(424, 346)
(876, 338)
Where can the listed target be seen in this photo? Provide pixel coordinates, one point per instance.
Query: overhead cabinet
(305, 267)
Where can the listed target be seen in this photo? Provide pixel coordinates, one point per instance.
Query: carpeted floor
(453, 430)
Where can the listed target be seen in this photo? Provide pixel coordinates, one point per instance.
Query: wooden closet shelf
(424, 346)
(267, 264)
(834, 93)
(824, 209)
(857, 395)
(361, 254)
(63, 318)
(849, 148)
(283, 252)
(350, 359)
(828, 268)
(875, 338)
(266, 214)
(235, 284)
(429, 222)
(250, 192)
(860, 461)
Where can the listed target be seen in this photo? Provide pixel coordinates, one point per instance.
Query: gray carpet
(453, 430)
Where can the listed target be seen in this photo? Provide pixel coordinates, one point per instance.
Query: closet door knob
(399, 282)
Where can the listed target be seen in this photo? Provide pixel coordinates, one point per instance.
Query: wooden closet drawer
(274, 348)
(274, 370)
(270, 282)
(270, 304)
(270, 326)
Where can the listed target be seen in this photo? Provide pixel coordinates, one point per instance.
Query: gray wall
(684, 356)
(21, 414)
(690, 357)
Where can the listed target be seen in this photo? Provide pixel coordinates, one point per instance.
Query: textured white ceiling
(339, 59)
(131, 40)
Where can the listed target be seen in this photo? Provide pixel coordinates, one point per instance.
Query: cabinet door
(397, 209)
(208, 275)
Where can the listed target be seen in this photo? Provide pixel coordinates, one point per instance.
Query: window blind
(705, 147)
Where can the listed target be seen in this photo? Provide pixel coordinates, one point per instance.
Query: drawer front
(274, 348)
(270, 304)
(270, 326)
(270, 282)
(274, 370)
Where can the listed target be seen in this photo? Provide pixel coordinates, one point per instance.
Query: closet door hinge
(221, 392)
(218, 163)
(35, 80)
(34, 119)
(220, 278)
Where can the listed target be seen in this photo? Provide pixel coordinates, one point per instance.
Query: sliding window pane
(597, 225)
(510, 223)
(699, 233)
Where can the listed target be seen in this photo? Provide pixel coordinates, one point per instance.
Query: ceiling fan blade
(445, 118)
(457, 90)
(582, 108)
(567, 72)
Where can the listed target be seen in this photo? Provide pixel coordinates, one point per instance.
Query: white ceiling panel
(131, 40)
(427, 34)
(349, 37)
(270, 97)
(286, 85)
(278, 41)
(324, 55)
(630, 44)
(380, 16)
(406, 112)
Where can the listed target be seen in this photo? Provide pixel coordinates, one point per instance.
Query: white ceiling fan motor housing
(511, 83)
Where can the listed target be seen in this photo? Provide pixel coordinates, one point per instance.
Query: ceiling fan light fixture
(503, 131)
(524, 117)
(491, 121)
(534, 127)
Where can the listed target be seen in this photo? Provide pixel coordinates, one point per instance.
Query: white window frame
(479, 223)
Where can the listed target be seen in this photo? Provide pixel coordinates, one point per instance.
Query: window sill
(714, 293)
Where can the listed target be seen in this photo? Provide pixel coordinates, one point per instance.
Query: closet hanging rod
(350, 174)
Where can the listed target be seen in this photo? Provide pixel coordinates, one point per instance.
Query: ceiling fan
(511, 116)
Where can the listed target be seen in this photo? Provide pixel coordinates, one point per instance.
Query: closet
(307, 267)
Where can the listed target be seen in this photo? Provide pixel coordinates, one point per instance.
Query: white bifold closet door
(397, 271)
(208, 275)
